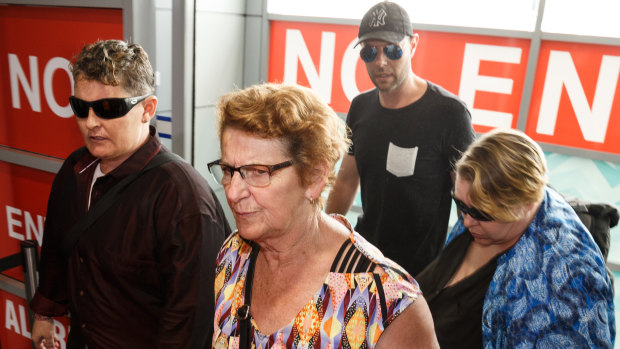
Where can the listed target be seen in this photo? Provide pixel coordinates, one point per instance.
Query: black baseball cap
(385, 21)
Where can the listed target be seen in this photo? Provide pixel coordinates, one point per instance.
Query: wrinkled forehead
(240, 147)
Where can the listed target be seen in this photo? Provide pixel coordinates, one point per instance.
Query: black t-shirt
(405, 157)
(457, 309)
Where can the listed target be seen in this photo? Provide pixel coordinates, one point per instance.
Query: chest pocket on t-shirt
(401, 161)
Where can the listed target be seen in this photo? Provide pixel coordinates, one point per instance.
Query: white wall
(220, 40)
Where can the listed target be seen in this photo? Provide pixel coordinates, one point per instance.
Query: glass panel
(353, 9)
(496, 14)
(595, 17)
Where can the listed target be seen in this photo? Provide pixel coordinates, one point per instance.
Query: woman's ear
(150, 106)
(318, 180)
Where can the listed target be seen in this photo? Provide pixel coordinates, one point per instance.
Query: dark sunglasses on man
(472, 212)
(106, 108)
(391, 51)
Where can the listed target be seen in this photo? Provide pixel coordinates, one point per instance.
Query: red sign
(575, 100)
(36, 46)
(487, 72)
(319, 56)
(23, 203)
(16, 332)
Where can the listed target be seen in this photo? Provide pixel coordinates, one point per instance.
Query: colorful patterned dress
(350, 310)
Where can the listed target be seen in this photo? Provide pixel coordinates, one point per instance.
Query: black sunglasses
(472, 212)
(391, 51)
(106, 108)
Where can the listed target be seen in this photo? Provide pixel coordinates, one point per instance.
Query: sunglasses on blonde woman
(472, 212)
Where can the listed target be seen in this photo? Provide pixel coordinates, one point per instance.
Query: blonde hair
(295, 115)
(506, 170)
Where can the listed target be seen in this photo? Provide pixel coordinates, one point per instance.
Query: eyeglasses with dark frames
(253, 174)
(472, 212)
(106, 108)
(391, 51)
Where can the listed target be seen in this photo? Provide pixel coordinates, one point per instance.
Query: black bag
(598, 218)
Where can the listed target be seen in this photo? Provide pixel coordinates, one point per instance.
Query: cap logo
(378, 18)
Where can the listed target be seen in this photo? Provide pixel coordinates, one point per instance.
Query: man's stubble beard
(394, 85)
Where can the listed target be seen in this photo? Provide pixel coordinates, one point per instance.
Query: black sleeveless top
(457, 309)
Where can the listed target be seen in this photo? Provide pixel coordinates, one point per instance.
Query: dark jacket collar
(133, 164)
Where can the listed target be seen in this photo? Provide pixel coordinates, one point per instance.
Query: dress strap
(243, 313)
(350, 260)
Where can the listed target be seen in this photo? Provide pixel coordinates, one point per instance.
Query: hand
(43, 335)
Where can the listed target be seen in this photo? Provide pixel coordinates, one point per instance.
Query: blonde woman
(520, 269)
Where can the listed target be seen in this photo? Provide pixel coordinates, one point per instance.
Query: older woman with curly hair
(291, 275)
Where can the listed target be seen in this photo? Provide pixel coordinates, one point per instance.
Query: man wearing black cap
(407, 133)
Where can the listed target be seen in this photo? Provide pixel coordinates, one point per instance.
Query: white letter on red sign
(561, 72)
(10, 317)
(48, 75)
(22, 321)
(471, 81)
(10, 211)
(60, 331)
(34, 229)
(17, 73)
(296, 48)
(348, 69)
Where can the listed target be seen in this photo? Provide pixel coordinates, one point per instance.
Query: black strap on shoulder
(350, 260)
(160, 159)
(110, 197)
(382, 301)
(243, 313)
